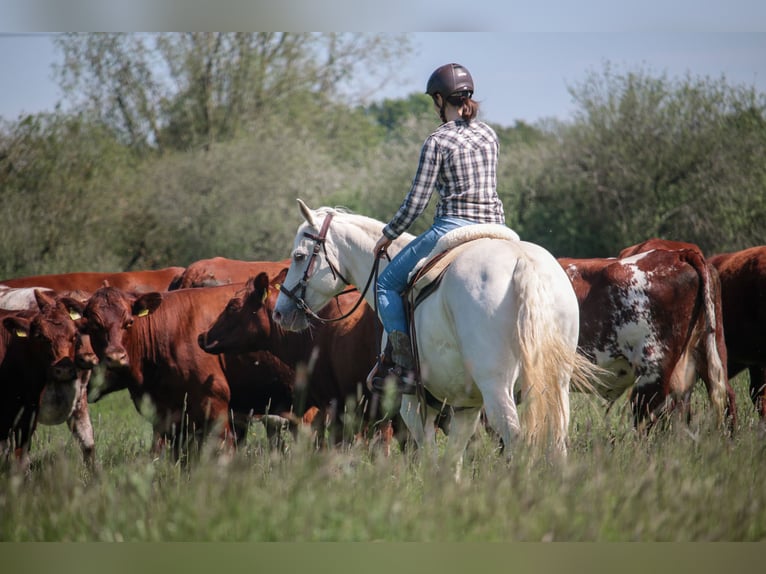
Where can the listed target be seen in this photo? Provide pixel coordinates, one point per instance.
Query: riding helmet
(450, 79)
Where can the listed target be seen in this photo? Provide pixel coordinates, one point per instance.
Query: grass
(682, 483)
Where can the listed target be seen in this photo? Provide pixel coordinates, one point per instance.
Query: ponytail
(467, 108)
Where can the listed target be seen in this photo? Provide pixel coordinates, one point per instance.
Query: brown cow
(148, 343)
(136, 281)
(653, 320)
(223, 271)
(41, 380)
(339, 354)
(743, 287)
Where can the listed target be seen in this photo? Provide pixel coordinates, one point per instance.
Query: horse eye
(298, 257)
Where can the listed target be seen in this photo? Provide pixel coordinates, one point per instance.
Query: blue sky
(518, 75)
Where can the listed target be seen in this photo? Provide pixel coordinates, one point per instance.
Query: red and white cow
(148, 344)
(223, 271)
(41, 379)
(743, 287)
(653, 320)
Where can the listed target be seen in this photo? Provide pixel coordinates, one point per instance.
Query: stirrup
(383, 372)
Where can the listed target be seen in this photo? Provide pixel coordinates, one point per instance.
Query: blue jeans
(393, 280)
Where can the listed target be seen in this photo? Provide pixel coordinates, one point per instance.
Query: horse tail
(550, 360)
(547, 359)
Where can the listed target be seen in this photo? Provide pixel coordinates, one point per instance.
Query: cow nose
(86, 360)
(116, 358)
(64, 370)
(202, 341)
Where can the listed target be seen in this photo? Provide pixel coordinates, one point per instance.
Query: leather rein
(298, 293)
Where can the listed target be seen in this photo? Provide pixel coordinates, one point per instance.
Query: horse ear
(308, 215)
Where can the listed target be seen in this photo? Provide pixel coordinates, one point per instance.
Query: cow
(223, 271)
(743, 287)
(138, 281)
(148, 345)
(339, 354)
(41, 379)
(653, 320)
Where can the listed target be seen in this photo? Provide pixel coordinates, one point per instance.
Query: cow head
(51, 332)
(244, 325)
(109, 314)
(51, 335)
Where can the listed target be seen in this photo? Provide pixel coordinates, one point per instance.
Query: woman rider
(459, 160)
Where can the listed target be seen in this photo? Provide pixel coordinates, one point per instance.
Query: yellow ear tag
(265, 296)
(74, 315)
(143, 313)
(20, 334)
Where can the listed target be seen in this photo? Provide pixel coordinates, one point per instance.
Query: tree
(649, 156)
(184, 90)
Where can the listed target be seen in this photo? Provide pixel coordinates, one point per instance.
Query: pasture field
(682, 483)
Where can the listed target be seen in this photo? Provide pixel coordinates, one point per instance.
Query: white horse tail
(547, 359)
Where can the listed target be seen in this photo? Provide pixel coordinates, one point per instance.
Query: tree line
(177, 147)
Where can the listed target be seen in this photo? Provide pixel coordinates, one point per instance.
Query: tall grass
(681, 483)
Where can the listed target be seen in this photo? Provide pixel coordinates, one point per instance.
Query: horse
(504, 313)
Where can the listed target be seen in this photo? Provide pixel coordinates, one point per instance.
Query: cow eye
(129, 323)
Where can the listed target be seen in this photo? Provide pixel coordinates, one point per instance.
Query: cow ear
(308, 215)
(281, 276)
(74, 307)
(17, 326)
(261, 285)
(147, 304)
(44, 300)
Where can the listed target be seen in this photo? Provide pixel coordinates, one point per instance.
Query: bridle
(298, 293)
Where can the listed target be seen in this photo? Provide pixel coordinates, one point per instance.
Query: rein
(320, 245)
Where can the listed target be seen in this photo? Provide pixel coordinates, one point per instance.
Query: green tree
(652, 157)
(184, 90)
(58, 211)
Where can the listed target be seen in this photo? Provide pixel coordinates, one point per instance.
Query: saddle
(427, 273)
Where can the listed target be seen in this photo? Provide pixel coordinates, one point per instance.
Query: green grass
(679, 484)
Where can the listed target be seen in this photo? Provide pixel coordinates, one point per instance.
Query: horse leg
(410, 413)
(503, 418)
(462, 427)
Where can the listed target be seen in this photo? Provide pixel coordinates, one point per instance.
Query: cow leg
(21, 437)
(758, 390)
(79, 424)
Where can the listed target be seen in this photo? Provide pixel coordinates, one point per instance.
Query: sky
(522, 76)
(523, 55)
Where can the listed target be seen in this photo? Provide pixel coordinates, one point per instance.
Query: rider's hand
(382, 244)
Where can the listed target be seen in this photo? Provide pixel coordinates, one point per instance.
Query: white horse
(504, 313)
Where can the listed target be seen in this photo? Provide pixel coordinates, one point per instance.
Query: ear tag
(74, 315)
(265, 296)
(143, 313)
(21, 334)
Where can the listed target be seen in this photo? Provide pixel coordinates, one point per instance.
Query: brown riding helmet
(450, 79)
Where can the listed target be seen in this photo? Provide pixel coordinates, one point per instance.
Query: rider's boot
(396, 364)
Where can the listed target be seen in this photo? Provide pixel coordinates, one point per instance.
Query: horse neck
(355, 247)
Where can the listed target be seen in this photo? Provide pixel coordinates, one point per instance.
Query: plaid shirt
(459, 160)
